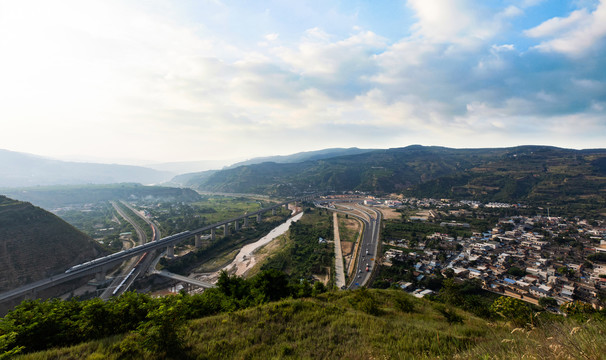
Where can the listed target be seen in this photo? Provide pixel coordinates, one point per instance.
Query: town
(531, 258)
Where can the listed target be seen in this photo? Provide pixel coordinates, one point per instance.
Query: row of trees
(37, 325)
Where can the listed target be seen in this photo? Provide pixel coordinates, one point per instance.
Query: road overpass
(99, 266)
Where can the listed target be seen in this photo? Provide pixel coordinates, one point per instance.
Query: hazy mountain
(52, 197)
(183, 167)
(193, 179)
(20, 169)
(302, 156)
(35, 244)
(507, 174)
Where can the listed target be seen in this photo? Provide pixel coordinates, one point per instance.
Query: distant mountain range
(20, 170)
(499, 174)
(25, 170)
(195, 178)
(58, 196)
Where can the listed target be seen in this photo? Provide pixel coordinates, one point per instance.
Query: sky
(154, 81)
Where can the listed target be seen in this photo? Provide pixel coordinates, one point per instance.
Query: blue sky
(155, 81)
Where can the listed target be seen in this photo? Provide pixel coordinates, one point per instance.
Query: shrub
(512, 309)
(403, 303)
(450, 314)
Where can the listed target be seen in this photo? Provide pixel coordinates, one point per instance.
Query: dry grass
(566, 340)
(390, 214)
(347, 248)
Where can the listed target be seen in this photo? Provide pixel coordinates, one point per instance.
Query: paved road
(134, 266)
(140, 231)
(184, 279)
(367, 250)
(369, 246)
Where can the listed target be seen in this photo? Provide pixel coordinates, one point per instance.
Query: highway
(369, 243)
(131, 270)
(105, 263)
(369, 246)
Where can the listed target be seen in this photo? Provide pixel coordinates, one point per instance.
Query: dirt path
(339, 269)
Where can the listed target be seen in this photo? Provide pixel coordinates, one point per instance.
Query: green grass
(352, 325)
(362, 324)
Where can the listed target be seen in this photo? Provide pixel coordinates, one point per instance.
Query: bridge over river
(98, 267)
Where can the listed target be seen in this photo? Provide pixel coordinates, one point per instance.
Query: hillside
(500, 174)
(302, 156)
(52, 197)
(193, 179)
(362, 324)
(21, 170)
(35, 244)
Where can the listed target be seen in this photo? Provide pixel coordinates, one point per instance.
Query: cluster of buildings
(524, 257)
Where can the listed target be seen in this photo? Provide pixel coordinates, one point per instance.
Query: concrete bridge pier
(226, 229)
(100, 276)
(170, 251)
(245, 224)
(259, 218)
(197, 241)
(212, 234)
(236, 226)
(273, 212)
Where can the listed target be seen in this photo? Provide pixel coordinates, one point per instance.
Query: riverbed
(245, 260)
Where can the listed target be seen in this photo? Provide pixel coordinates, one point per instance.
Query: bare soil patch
(390, 214)
(346, 248)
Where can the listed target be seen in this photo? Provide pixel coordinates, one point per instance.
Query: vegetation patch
(305, 254)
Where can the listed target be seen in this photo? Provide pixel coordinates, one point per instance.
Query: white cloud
(572, 35)
(108, 73)
(558, 26)
(272, 37)
(462, 22)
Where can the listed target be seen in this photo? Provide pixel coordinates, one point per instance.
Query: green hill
(361, 324)
(35, 244)
(515, 174)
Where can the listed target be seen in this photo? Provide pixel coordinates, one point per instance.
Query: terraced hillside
(35, 244)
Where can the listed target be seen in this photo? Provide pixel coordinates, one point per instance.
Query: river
(245, 259)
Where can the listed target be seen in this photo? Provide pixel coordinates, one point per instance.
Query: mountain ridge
(21, 169)
(505, 174)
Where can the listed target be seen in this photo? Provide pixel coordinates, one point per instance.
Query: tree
(548, 302)
(577, 308)
(512, 309)
(269, 285)
(162, 330)
(516, 271)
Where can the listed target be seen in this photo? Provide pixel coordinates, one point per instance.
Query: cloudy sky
(156, 81)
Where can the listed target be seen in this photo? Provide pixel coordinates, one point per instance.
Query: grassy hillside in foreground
(362, 324)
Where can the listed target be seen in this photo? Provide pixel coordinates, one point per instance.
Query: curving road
(367, 251)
